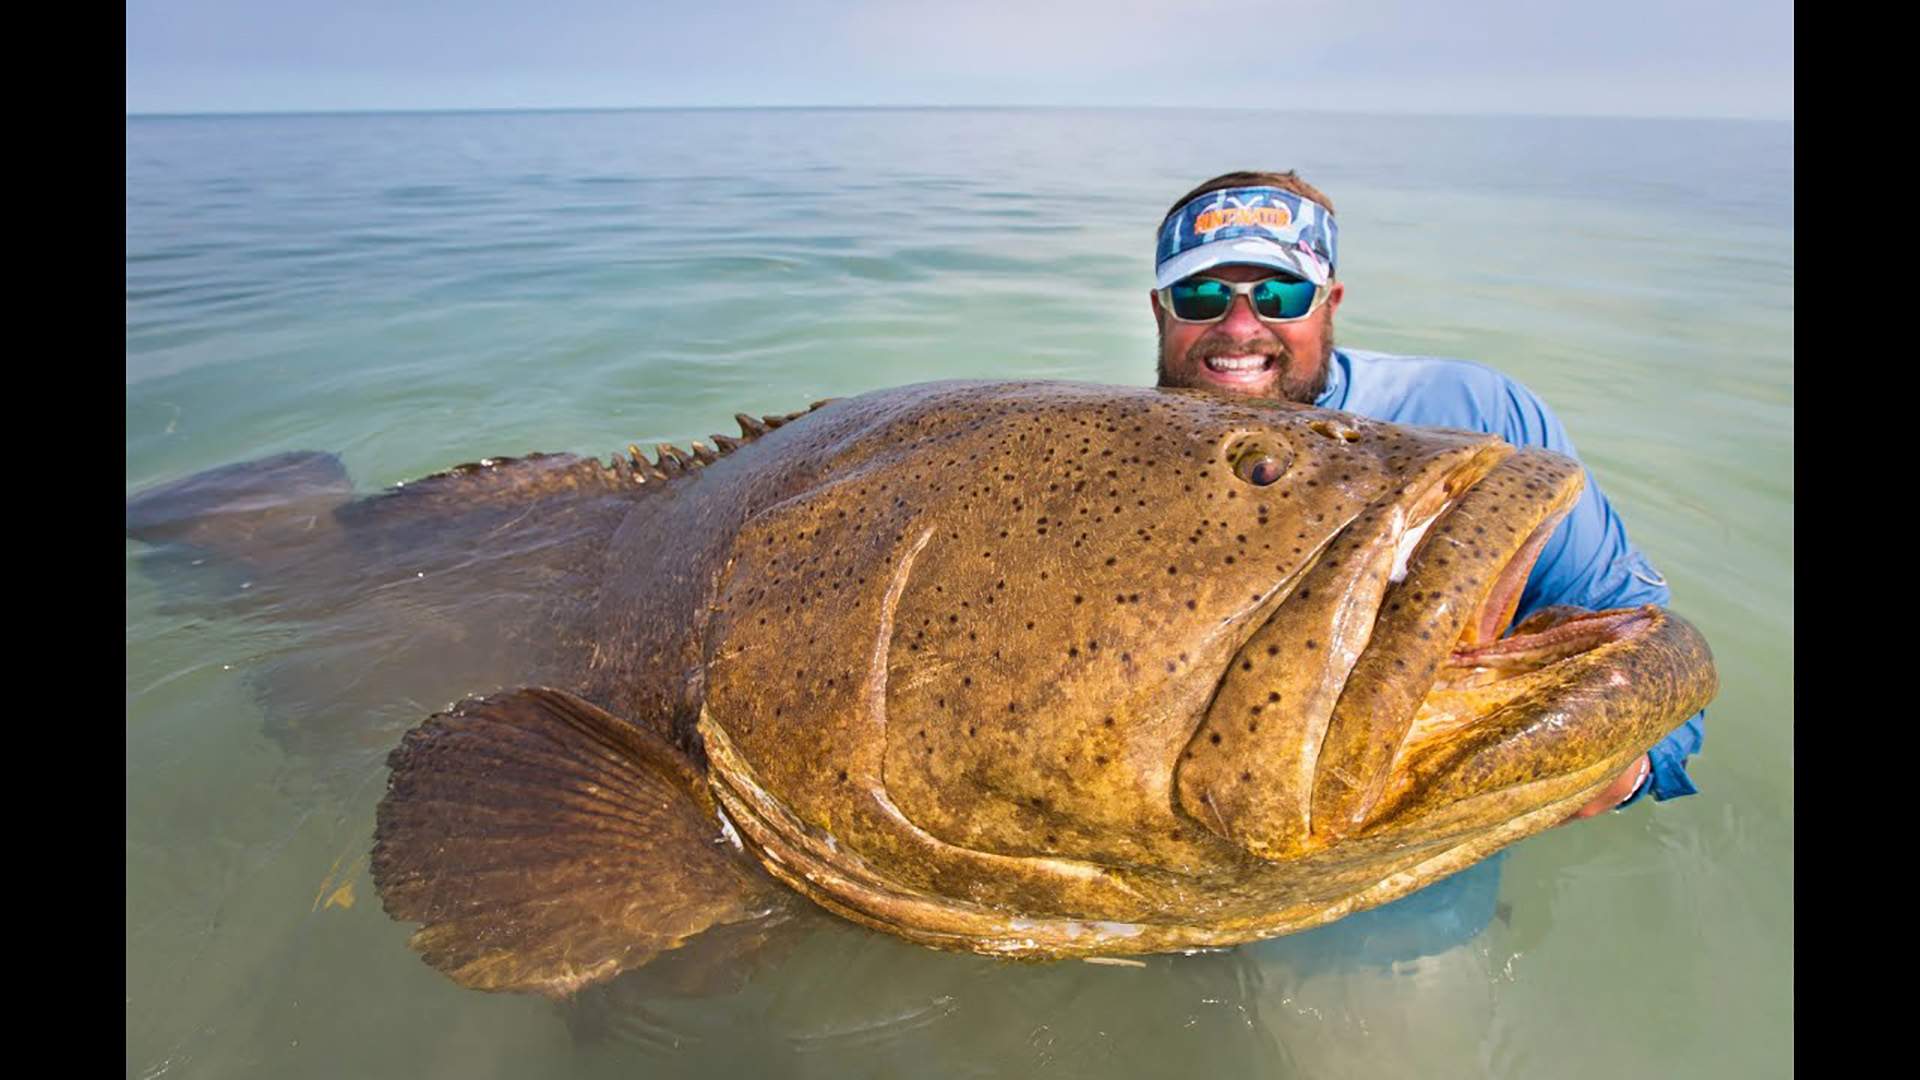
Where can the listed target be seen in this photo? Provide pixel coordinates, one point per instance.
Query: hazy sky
(1622, 57)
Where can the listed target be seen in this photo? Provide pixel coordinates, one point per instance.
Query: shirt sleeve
(1589, 562)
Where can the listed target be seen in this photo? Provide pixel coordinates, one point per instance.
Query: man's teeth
(1236, 363)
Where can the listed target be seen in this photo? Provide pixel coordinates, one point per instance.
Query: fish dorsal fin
(530, 477)
(547, 845)
(670, 461)
(282, 509)
(461, 506)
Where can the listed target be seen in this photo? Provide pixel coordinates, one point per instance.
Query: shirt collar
(1335, 395)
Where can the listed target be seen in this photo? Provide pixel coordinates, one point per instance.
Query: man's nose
(1240, 318)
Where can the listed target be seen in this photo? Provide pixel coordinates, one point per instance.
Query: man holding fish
(1244, 297)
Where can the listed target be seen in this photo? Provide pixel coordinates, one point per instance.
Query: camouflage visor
(1261, 226)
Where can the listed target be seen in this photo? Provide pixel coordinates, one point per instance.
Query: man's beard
(1292, 385)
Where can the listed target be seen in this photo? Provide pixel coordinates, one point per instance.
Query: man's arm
(1589, 562)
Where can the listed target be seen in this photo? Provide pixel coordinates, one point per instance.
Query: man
(1244, 295)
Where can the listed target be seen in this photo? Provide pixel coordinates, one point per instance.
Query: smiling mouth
(1241, 365)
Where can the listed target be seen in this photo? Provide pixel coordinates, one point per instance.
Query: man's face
(1248, 356)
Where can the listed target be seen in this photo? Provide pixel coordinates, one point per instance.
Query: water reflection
(814, 997)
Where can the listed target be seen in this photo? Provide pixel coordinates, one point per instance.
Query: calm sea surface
(411, 291)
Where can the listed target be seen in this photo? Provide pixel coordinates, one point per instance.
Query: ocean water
(415, 290)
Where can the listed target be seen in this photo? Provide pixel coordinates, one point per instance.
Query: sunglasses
(1276, 299)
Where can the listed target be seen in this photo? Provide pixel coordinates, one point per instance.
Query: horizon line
(489, 109)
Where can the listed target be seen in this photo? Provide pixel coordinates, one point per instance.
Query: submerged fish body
(1031, 669)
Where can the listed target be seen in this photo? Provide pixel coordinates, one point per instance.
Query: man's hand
(1613, 794)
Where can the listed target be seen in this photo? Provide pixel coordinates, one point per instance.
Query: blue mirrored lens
(1200, 300)
(1283, 298)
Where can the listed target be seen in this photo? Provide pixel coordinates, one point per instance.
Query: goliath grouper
(1029, 669)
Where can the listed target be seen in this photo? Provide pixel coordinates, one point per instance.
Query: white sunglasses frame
(1240, 289)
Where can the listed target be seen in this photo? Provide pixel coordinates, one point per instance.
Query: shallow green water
(414, 290)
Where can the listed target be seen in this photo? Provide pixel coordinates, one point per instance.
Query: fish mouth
(1300, 744)
(1561, 634)
(1455, 586)
(1549, 648)
(1500, 596)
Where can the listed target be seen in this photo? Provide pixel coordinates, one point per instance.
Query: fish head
(1152, 658)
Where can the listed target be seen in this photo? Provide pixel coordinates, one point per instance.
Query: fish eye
(1258, 461)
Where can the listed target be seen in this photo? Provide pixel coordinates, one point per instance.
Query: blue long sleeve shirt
(1588, 560)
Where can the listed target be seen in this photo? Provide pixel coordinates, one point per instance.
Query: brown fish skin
(1029, 669)
(992, 635)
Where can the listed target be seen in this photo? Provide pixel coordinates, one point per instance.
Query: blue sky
(1623, 57)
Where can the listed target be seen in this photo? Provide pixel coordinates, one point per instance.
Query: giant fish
(1029, 669)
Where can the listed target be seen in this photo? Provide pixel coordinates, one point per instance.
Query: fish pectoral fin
(547, 845)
